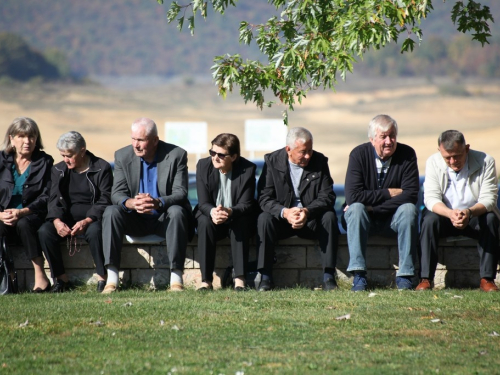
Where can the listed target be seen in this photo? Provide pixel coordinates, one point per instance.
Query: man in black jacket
(381, 189)
(296, 197)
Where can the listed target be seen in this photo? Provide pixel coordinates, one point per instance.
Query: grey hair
(383, 123)
(71, 141)
(448, 139)
(298, 134)
(148, 124)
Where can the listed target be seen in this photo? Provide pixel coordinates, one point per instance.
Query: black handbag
(8, 274)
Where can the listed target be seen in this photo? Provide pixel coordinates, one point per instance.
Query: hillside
(132, 37)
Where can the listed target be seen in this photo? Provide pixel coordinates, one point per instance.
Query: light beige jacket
(482, 180)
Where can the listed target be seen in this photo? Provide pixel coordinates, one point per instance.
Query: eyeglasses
(213, 153)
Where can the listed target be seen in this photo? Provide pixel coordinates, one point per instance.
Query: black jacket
(276, 188)
(36, 189)
(361, 181)
(242, 187)
(100, 177)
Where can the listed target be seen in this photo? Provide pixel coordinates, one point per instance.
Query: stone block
(159, 257)
(79, 259)
(161, 278)
(189, 262)
(286, 278)
(294, 240)
(464, 279)
(378, 257)
(223, 256)
(440, 279)
(143, 277)
(381, 278)
(135, 256)
(343, 257)
(313, 259)
(290, 257)
(21, 280)
(461, 258)
(192, 278)
(81, 276)
(20, 260)
(311, 278)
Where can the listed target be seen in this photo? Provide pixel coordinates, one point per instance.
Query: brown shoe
(425, 284)
(176, 287)
(109, 288)
(488, 285)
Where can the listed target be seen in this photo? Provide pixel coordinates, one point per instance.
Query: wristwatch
(470, 214)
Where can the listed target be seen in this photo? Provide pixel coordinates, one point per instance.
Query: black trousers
(239, 230)
(25, 231)
(484, 229)
(50, 242)
(173, 225)
(270, 230)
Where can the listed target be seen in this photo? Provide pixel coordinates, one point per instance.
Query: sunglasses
(213, 153)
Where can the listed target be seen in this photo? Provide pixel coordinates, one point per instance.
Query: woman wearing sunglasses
(225, 182)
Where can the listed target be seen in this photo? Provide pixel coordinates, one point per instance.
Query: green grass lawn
(222, 332)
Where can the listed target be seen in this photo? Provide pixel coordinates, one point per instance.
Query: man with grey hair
(381, 189)
(149, 196)
(460, 199)
(296, 197)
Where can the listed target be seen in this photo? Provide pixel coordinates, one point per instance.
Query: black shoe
(40, 290)
(100, 285)
(265, 286)
(60, 286)
(330, 284)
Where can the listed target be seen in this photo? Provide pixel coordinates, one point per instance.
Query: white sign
(191, 136)
(265, 135)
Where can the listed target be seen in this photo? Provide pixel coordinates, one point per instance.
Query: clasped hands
(220, 214)
(296, 216)
(459, 218)
(143, 203)
(10, 216)
(79, 228)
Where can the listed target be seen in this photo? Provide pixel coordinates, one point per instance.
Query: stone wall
(298, 263)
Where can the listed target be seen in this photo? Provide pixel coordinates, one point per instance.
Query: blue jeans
(361, 224)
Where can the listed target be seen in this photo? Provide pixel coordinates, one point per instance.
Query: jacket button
(60, 198)
(25, 186)
(24, 201)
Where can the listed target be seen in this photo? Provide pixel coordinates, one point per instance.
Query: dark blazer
(242, 187)
(276, 189)
(37, 187)
(100, 177)
(172, 175)
(361, 182)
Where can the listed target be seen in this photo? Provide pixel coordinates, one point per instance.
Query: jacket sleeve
(432, 184)
(121, 189)
(205, 201)
(103, 187)
(246, 200)
(356, 189)
(267, 191)
(179, 183)
(325, 199)
(56, 205)
(39, 205)
(488, 192)
(409, 184)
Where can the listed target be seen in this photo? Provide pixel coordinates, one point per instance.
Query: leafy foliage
(314, 42)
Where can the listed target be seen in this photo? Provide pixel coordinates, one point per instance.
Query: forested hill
(132, 37)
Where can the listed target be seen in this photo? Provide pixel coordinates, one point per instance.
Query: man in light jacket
(460, 199)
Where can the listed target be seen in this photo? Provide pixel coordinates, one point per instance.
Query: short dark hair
(448, 139)
(229, 142)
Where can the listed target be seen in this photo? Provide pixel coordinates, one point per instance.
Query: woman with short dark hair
(225, 182)
(24, 191)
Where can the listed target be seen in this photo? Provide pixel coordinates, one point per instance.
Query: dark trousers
(270, 229)
(25, 231)
(484, 229)
(239, 230)
(172, 225)
(50, 242)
